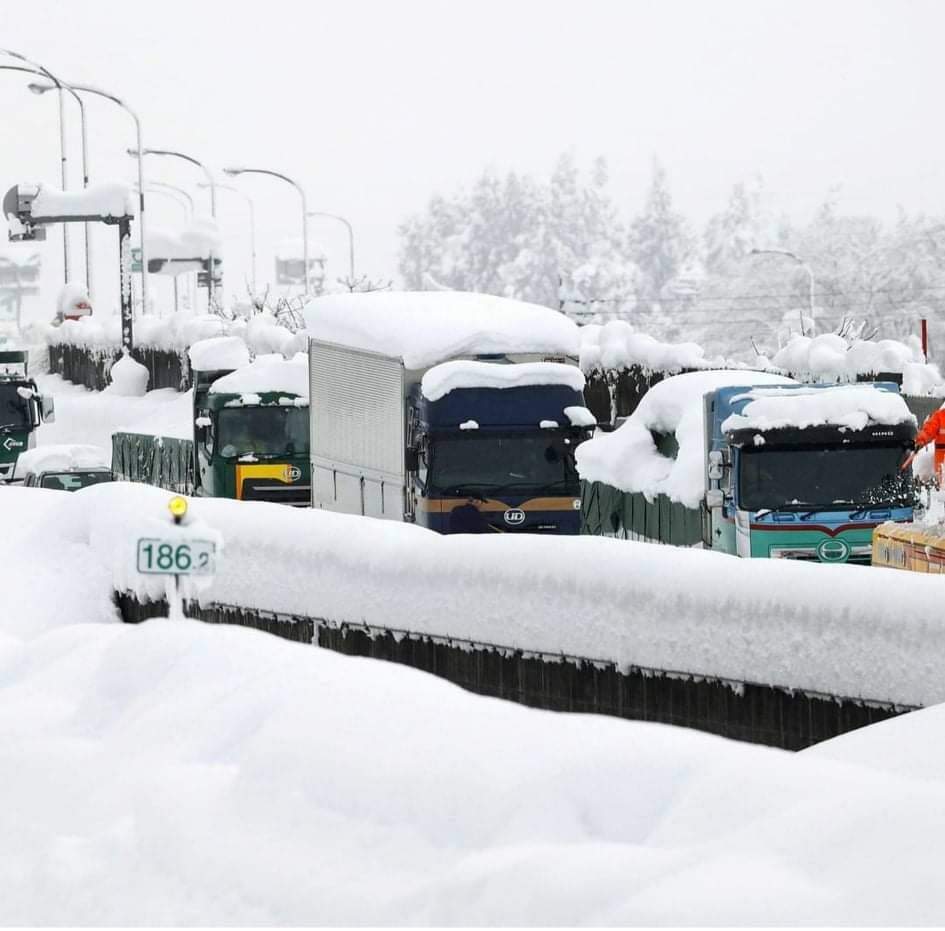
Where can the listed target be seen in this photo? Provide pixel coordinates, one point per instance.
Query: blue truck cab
(497, 459)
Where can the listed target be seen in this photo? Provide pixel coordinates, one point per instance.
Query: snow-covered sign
(628, 458)
(853, 407)
(448, 376)
(109, 199)
(267, 373)
(184, 250)
(427, 327)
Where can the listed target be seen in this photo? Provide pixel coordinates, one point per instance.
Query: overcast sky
(373, 106)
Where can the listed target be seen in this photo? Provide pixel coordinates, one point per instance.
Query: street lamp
(810, 278)
(137, 153)
(252, 223)
(36, 68)
(233, 172)
(332, 216)
(88, 89)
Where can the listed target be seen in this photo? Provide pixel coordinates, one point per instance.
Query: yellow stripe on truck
(278, 471)
(491, 505)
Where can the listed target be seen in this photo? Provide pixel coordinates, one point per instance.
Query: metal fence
(90, 367)
(763, 714)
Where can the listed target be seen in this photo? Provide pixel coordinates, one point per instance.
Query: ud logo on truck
(514, 516)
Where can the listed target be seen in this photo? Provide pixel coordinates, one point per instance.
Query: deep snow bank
(177, 773)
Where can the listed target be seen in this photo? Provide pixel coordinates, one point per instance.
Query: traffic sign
(176, 557)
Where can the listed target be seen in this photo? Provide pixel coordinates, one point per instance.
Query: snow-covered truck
(242, 431)
(460, 412)
(22, 410)
(754, 465)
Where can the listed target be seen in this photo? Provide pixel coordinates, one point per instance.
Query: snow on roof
(427, 327)
(62, 457)
(849, 406)
(616, 345)
(448, 376)
(628, 458)
(267, 373)
(219, 352)
(109, 199)
(830, 357)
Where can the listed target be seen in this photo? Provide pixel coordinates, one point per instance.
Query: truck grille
(261, 489)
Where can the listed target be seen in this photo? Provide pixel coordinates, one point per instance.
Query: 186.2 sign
(190, 557)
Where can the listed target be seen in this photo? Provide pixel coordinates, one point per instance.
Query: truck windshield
(14, 410)
(864, 475)
(524, 463)
(262, 431)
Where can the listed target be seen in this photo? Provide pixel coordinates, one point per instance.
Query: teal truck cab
(805, 471)
(22, 410)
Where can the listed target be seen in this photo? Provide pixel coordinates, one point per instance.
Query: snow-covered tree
(660, 242)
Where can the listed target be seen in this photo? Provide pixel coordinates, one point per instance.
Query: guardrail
(771, 715)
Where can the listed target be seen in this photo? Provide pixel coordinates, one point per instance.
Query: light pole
(233, 172)
(332, 216)
(810, 278)
(137, 153)
(252, 223)
(37, 68)
(98, 92)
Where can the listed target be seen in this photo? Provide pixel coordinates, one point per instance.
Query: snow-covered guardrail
(870, 635)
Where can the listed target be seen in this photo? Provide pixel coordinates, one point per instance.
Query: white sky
(373, 106)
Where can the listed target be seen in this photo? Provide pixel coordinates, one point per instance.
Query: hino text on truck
(22, 410)
(458, 411)
(244, 436)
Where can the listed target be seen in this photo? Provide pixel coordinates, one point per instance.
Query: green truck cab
(253, 445)
(22, 410)
(248, 436)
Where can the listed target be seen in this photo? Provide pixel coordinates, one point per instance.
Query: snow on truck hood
(853, 407)
(448, 376)
(628, 459)
(427, 327)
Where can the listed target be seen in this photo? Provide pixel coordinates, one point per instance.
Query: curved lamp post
(810, 278)
(58, 85)
(252, 223)
(98, 92)
(233, 172)
(332, 216)
(139, 152)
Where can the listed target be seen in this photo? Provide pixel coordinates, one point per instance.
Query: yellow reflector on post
(177, 506)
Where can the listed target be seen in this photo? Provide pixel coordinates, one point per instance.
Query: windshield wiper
(785, 507)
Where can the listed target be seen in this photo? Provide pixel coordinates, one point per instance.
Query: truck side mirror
(47, 405)
(714, 498)
(716, 465)
(411, 459)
